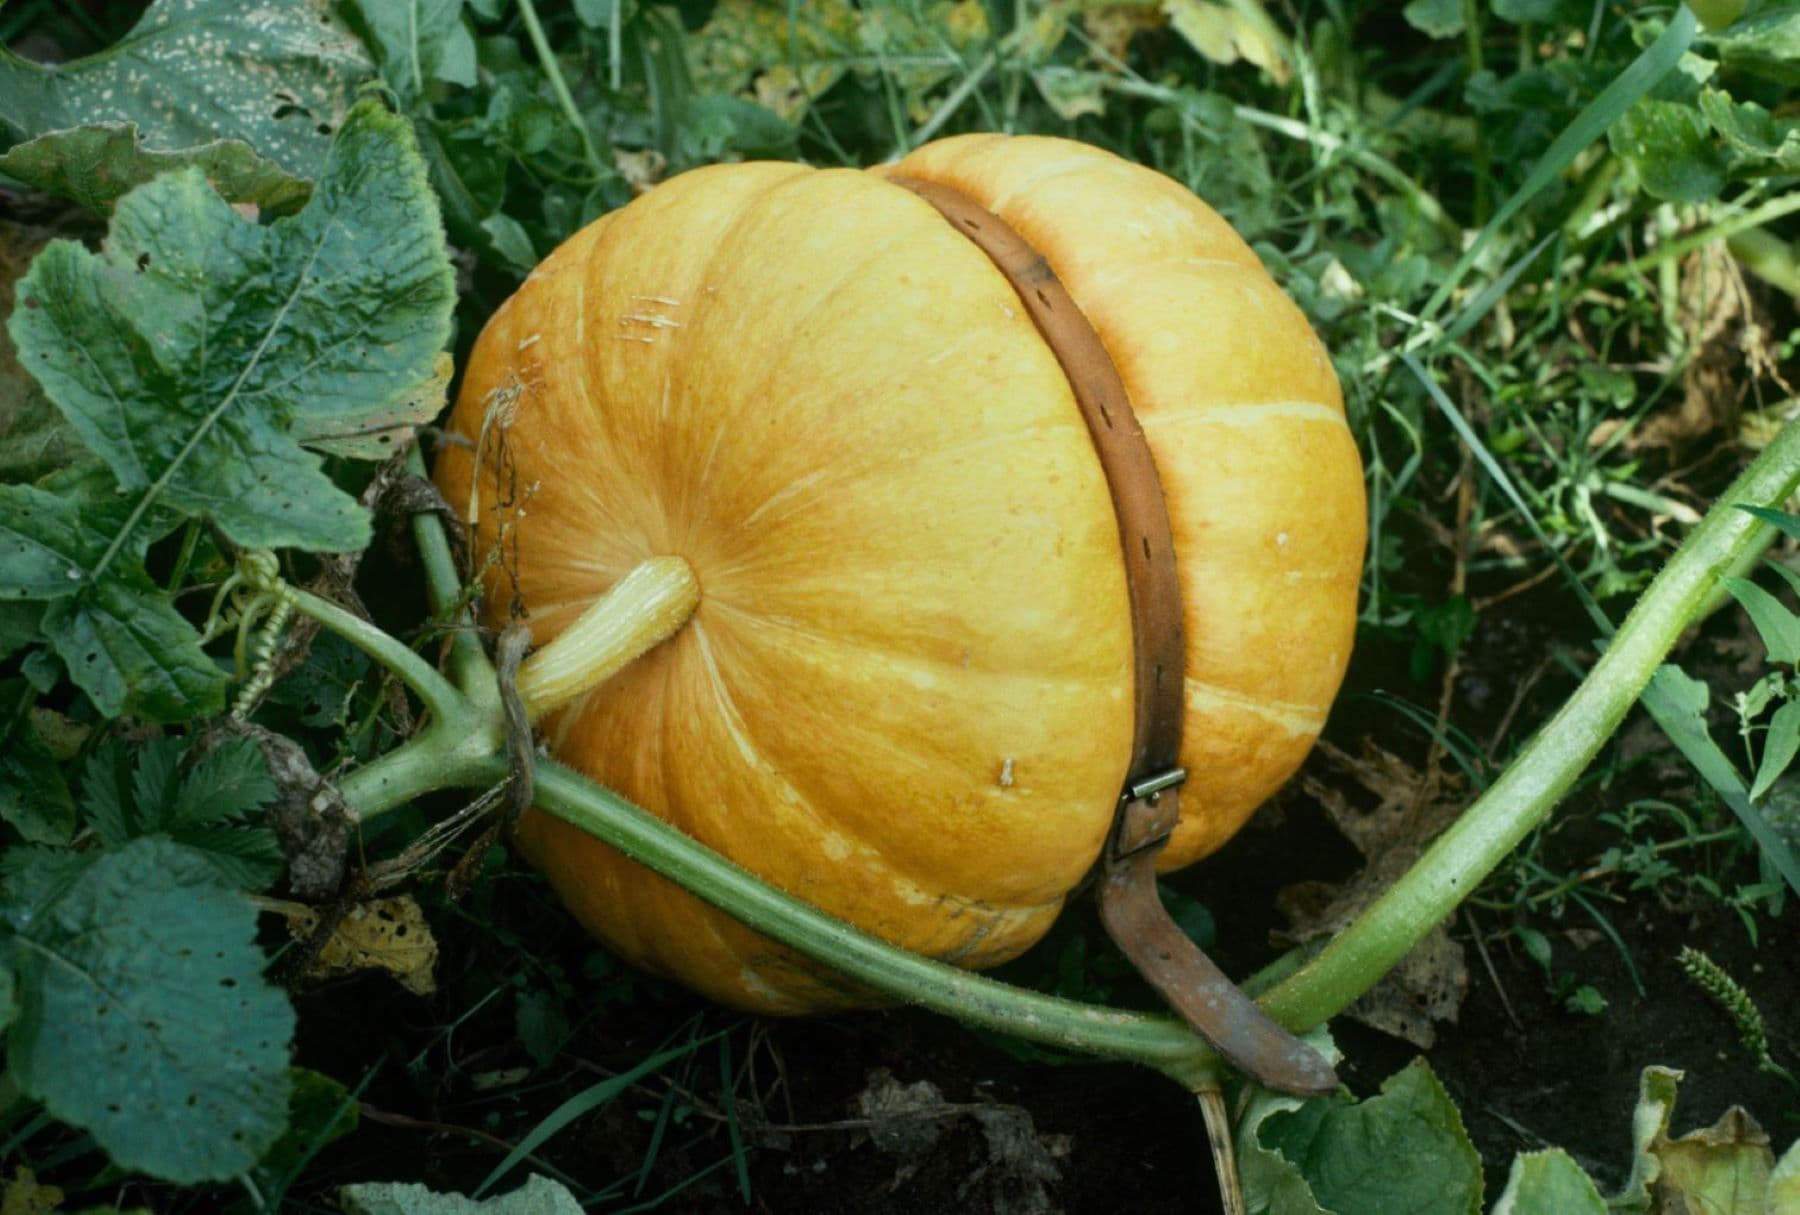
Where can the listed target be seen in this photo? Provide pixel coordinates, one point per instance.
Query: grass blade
(588, 1099)
(1656, 61)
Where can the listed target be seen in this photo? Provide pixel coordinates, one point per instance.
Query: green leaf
(1535, 12)
(1756, 135)
(144, 790)
(277, 77)
(1778, 627)
(320, 1112)
(144, 1017)
(1767, 43)
(1670, 145)
(1678, 703)
(1643, 74)
(34, 797)
(538, 1196)
(1435, 18)
(1403, 1150)
(420, 41)
(123, 641)
(1780, 744)
(1549, 1183)
(1272, 1183)
(97, 163)
(1784, 1183)
(1788, 524)
(9, 990)
(193, 347)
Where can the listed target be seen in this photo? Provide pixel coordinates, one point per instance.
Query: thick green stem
(439, 695)
(1529, 788)
(468, 661)
(1156, 1041)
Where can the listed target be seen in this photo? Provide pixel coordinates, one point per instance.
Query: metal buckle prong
(1157, 782)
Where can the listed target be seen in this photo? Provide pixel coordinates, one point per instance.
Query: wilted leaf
(1072, 94)
(538, 1196)
(1722, 1170)
(34, 438)
(97, 163)
(24, 1195)
(276, 76)
(144, 1017)
(1225, 31)
(1411, 807)
(387, 934)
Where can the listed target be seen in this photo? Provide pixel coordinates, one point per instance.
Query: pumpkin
(905, 695)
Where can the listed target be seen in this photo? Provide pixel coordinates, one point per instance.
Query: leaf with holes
(198, 348)
(143, 1014)
(275, 77)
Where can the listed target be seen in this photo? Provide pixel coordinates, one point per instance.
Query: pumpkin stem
(644, 608)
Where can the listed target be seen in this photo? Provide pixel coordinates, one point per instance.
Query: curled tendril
(261, 589)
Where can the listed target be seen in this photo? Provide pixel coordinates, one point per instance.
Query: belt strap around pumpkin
(1149, 806)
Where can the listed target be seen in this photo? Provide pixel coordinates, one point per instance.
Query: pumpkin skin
(906, 693)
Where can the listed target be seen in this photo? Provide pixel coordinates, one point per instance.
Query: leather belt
(1149, 806)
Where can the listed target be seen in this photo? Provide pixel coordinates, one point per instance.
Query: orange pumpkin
(905, 695)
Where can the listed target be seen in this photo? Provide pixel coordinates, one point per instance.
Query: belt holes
(1145, 541)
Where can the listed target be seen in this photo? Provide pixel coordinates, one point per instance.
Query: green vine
(464, 746)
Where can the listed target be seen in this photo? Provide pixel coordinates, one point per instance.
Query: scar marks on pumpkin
(648, 319)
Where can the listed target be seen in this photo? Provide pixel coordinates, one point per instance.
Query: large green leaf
(144, 1017)
(276, 76)
(190, 347)
(1402, 1150)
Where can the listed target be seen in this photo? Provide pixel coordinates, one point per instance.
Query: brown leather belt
(1149, 806)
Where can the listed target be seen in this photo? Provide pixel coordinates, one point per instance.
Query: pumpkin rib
(745, 736)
